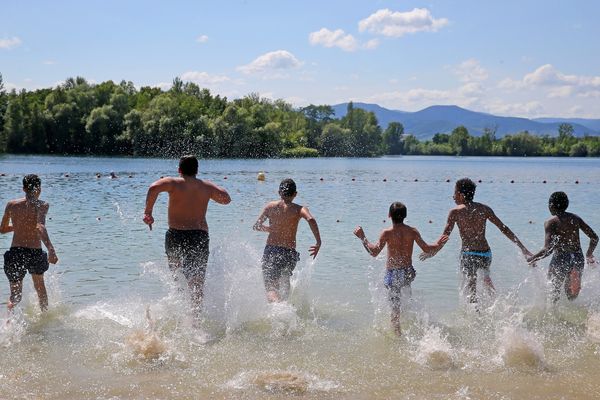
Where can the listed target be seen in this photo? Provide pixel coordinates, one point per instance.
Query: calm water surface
(333, 339)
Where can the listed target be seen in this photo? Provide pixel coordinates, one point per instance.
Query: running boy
(280, 255)
(471, 218)
(562, 238)
(28, 217)
(400, 239)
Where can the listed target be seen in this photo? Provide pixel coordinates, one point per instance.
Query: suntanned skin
(28, 217)
(471, 218)
(562, 235)
(400, 240)
(283, 217)
(188, 203)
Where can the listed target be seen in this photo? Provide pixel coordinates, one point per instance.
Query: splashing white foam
(434, 350)
(520, 348)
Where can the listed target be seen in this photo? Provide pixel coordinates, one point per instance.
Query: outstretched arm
(593, 241)
(161, 185)
(5, 226)
(507, 232)
(43, 233)
(372, 248)
(430, 248)
(220, 195)
(450, 222)
(548, 244)
(259, 225)
(312, 222)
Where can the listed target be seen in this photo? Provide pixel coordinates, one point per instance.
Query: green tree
(459, 140)
(392, 138)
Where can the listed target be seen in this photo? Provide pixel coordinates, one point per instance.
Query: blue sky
(521, 58)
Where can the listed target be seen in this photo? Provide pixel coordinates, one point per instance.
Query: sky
(518, 58)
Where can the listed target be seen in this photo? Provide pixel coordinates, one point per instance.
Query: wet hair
(559, 201)
(397, 212)
(287, 188)
(32, 183)
(466, 187)
(188, 165)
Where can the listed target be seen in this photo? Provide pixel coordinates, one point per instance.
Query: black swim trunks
(188, 250)
(20, 260)
(275, 262)
(473, 261)
(563, 263)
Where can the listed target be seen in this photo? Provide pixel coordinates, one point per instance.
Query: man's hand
(359, 233)
(442, 239)
(52, 258)
(314, 250)
(148, 220)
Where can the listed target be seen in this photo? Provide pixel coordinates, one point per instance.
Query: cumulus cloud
(49, 62)
(204, 78)
(10, 43)
(202, 39)
(530, 108)
(279, 60)
(340, 39)
(397, 24)
(471, 71)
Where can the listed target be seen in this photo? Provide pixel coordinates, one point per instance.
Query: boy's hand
(314, 250)
(358, 231)
(52, 258)
(424, 256)
(591, 261)
(148, 220)
(443, 239)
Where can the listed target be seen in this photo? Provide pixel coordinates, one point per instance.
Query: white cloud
(49, 62)
(10, 43)
(337, 38)
(371, 44)
(162, 85)
(531, 108)
(278, 60)
(202, 39)
(471, 71)
(397, 24)
(204, 78)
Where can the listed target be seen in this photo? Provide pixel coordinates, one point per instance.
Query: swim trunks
(20, 260)
(395, 280)
(276, 261)
(188, 250)
(472, 261)
(563, 263)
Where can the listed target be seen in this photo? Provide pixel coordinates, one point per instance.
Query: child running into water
(562, 239)
(28, 217)
(471, 218)
(400, 272)
(280, 255)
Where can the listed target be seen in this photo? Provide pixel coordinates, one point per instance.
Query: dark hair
(287, 188)
(31, 183)
(188, 165)
(466, 187)
(558, 201)
(397, 212)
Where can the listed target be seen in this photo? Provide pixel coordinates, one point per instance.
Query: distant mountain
(443, 119)
(589, 123)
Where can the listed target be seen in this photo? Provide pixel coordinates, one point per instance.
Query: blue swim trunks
(395, 280)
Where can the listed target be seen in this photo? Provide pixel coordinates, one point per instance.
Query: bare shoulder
(551, 222)
(414, 231)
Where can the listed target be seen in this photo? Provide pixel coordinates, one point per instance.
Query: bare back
(400, 241)
(25, 215)
(564, 231)
(188, 202)
(471, 220)
(283, 223)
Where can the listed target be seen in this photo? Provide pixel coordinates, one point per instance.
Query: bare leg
(273, 296)
(472, 288)
(489, 285)
(573, 284)
(196, 285)
(16, 294)
(40, 288)
(556, 281)
(395, 319)
(284, 285)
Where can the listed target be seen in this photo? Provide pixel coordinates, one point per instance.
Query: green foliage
(299, 152)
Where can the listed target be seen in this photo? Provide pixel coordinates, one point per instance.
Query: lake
(118, 325)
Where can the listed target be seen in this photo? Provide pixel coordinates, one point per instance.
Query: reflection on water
(118, 325)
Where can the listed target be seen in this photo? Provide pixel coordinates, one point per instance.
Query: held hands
(358, 231)
(591, 261)
(148, 220)
(52, 258)
(314, 250)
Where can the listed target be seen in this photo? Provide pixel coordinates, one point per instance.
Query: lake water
(118, 325)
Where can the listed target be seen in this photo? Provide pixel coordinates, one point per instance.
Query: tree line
(80, 118)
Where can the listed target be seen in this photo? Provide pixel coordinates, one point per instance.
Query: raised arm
(372, 248)
(312, 222)
(450, 222)
(507, 232)
(593, 241)
(5, 226)
(43, 233)
(259, 225)
(219, 195)
(548, 244)
(161, 185)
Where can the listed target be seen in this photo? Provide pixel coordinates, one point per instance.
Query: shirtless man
(186, 241)
(400, 239)
(562, 239)
(28, 217)
(280, 255)
(471, 218)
